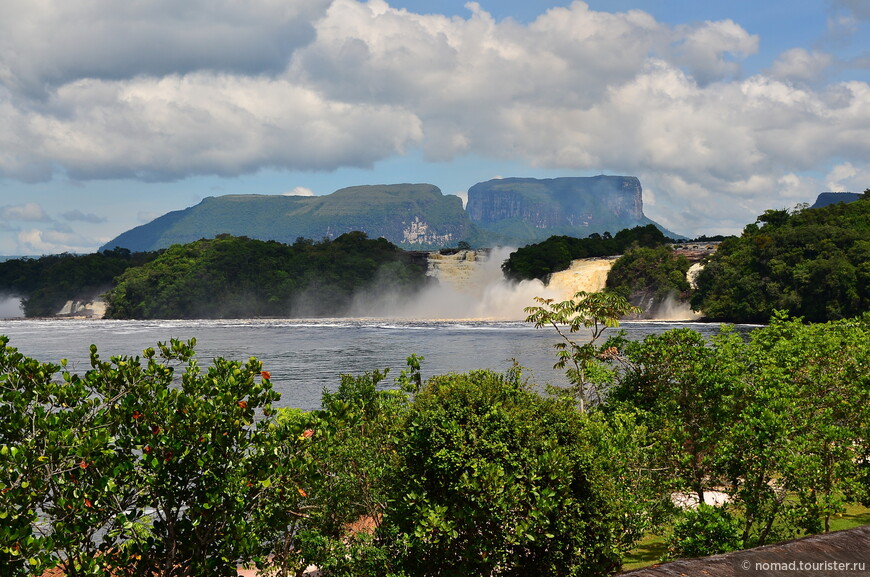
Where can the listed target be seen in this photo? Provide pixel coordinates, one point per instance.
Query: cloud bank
(164, 90)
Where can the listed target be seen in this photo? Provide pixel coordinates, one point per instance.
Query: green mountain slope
(414, 216)
(508, 212)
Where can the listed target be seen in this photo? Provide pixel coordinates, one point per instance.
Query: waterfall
(471, 286)
(458, 269)
(10, 307)
(585, 274)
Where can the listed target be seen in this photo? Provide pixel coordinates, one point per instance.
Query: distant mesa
(519, 211)
(829, 198)
(508, 212)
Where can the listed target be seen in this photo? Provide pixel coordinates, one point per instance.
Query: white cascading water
(471, 286)
(10, 307)
(585, 274)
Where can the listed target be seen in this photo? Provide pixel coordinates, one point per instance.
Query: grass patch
(855, 516)
(652, 548)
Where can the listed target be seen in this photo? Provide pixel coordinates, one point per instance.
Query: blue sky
(115, 113)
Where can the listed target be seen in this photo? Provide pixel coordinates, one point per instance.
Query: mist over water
(671, 309)
(470, 285)
(10, 307)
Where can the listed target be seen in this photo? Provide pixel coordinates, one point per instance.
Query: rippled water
(304, 356)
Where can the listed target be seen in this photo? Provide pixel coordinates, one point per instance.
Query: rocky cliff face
(581, 202)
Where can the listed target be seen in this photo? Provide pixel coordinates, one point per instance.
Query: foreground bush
(492, 478)
(156, 467)
(132, 465)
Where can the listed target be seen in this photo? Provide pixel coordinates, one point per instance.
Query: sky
(114, 113)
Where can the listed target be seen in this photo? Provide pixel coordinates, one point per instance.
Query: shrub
(704, 531)
(493, 478)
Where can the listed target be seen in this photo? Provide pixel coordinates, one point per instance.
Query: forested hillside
(556, 253)
(813, 263)
(650, 276)
(233, 277)
(46, 283)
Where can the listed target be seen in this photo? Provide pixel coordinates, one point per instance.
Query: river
(304, 356)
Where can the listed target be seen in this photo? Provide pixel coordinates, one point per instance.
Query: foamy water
(470, 285)
(585, 274)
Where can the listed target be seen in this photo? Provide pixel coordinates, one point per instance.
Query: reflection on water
(304, 356)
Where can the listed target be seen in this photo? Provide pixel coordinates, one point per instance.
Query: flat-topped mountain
(510, 212)
(408, 215)
(829, 198)
(531, 210)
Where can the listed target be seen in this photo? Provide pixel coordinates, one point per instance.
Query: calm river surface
(304, 356)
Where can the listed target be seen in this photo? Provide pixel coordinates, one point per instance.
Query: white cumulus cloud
(299, 191)
(35, 241)
(165, 90)
(30, 211)
(801, 65)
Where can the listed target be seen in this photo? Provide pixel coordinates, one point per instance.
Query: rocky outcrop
(87, 309)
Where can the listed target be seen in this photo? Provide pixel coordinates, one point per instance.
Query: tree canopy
(556, 253)
(230, 277)
(813, 263)
(648, 276)
(46, 283)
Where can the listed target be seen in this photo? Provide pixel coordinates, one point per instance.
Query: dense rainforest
(556, 253)
(46, 283)
(233, 277)
(650, 276)
(811, 262)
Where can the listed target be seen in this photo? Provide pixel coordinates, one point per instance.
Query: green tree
(587, 370)
(231, 277)
(493, 478)
(683, 387)
(132, 465)
(810, 262)
(48, 282)
(358, 426)
(797, 440)
(649, 276)
(556, 253)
